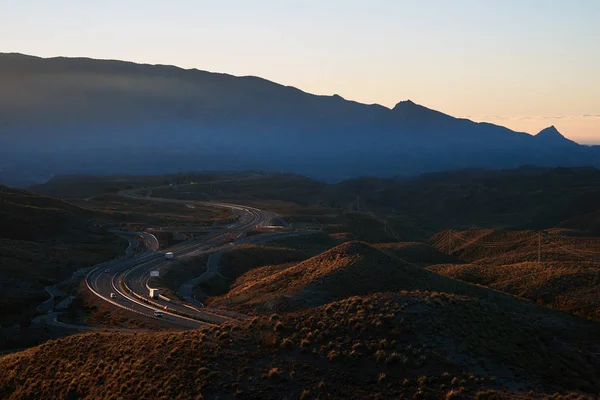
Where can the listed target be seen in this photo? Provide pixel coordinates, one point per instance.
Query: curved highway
(124, 282)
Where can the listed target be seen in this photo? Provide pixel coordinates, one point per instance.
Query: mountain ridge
(400, 106)
(552, 135)
(70, 115)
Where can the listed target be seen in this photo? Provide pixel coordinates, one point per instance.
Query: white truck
(169, 255)
(154, 293)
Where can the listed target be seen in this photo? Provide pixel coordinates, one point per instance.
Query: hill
(42, 241)
(25, 215)
(68, 115)
(350, 269)
(522, 198)
(567, 286)
(566, 278)
(249, 263)
(417, 253)
(415, 208)
(409, 344)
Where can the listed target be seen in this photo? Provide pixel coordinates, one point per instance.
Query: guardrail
(165, 308)
(91, 289)
(97, 294)
(152, 241)
(155, 244)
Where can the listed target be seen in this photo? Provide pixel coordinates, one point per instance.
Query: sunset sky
(523, 64)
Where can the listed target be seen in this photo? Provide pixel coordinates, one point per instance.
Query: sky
(523, 64)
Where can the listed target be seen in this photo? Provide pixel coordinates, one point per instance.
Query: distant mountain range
(75, 115)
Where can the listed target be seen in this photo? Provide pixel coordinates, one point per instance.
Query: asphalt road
(212, 267)
(126, 279)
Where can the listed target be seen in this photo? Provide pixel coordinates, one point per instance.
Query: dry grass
(421, 254)
(43, 240)
(507, 261)
(353, 268)
(310, 244)
(27, 267)
(146, 213)
(239, 260)
(437, 343)
(253, 261)
(567, 286)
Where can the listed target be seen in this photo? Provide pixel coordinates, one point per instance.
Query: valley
(280, 281)
(316, 200)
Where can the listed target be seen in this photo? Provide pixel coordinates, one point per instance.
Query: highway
(186, 290)
(126, 278)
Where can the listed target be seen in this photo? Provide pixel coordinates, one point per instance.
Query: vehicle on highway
(169, 255)
(112, 295)
(106, 271)
(158, 314)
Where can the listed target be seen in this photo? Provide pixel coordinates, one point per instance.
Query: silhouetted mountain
(552, 137)
(75, 115)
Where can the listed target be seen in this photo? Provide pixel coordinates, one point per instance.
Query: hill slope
(524, 198)
(54, 112)
(415, 208)
(418, 253)
(566, 278)
(384, 346)
(26, 215)
(42, 241)
(350, 269)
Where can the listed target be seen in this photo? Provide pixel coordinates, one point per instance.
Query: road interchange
(124, 282)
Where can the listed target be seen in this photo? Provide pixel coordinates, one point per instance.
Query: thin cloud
(531, 117)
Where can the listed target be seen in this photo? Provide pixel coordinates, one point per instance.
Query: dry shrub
(274, 374)
(334, 355)
(394, 358)
(452, 395)
(278, 326)
(380, 356)
(269, 339)
(305, 395)
(287, 344)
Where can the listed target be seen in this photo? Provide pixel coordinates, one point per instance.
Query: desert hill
(563, 285)
(522, 198)
(487, 243)
(567, 277)
(26, 215)
(350, 269)
(237, 261)
(44, 240)
(415, 207)
(409, 344)
(417, 253)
